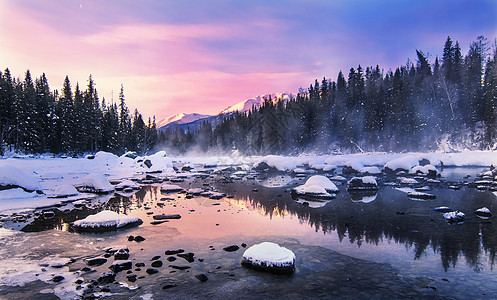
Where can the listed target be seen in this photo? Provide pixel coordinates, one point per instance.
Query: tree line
(34, 119)
(449, 104)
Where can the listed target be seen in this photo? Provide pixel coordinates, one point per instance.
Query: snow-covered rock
(428, 170)
(454, 216)
(275, 163)
(370, 170)
(64, 190)
(483, 212)
(157, 162)
(96, 183)
(12, 177)
(127, 184)
(106, 220)
(408, 181)
(322, 181)
(366, 183)
(420, 195)
(312, 191)
(269, 257)
(170, 188)
(404, 163)
(352, 167)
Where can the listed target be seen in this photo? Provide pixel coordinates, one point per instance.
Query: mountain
(257, 102)
(193, 121)
(181, 118)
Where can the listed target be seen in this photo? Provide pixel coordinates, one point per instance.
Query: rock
(58, 278)
(156, 264)
(97, 261)
(174, 252)
(131, 238)
(483, 212)
(158, 222)
(202, 277)
(443, 209)
(171, 258)
(148, 163)
(231, 248)
(151, 271)
(122, 254)
(171, 188)
(121, 266)
(131, 278)
(140, 265)
(155, 257)
(244, 245)
(167, 217)
(454, 216)
(216, 196)
(420, 195)
(106, 221)
(179, 267)
(366, 183)
(187, 256)
(139, 238)
(106, 278)
(168, 286)
(269, 257)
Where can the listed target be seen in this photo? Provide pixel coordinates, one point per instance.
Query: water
(384, 245)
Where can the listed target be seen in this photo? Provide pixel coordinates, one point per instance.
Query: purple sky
(201, 56)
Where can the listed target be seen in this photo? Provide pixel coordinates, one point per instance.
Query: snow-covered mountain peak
(257, 102)
(181, 118)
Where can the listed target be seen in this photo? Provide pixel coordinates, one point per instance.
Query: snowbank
(96, 183)
(13, 177)
(106, 220)
(270, 257)
(404, 163)
(64, 190)
(279, 163)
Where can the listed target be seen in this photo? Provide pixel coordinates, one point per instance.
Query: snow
(423, 169)
(354, 164)
(322, 181)
(127, 184)
(369, 180)
(454, 216)
(10, 175)
(159, 160)
(64, 190)
(98, 183)
(370, 170)
(181, 118)
(270, 255)
(169, 188)
(280, 163)
(257, 102)
(312, 190)
(104, 219)
(405, 180)
(404, 163)
(483, 210)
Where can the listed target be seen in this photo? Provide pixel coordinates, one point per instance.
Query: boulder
(269, 257)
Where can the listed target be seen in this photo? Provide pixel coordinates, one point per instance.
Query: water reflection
(390, 216)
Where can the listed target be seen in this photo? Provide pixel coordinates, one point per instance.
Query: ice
(12, 176)
(270, 255)
(106, 219)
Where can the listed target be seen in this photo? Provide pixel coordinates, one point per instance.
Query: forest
(446, 105)
(34, 119)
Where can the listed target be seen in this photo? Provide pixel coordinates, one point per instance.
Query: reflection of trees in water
(392, 216)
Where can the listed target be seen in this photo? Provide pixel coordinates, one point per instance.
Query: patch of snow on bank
(10, 175)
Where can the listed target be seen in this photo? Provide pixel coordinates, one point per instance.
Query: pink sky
(191, 57)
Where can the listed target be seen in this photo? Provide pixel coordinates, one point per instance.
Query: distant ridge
(192, 121)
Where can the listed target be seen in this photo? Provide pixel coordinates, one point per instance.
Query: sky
(202, 56)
